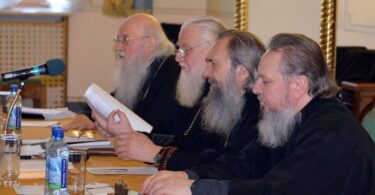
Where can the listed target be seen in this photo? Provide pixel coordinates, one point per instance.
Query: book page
(103, 103)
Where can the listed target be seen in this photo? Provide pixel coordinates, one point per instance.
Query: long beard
(129, 78)
(276, 127)
(222, 107)
(189, 87)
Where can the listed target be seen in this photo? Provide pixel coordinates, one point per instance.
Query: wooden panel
(23, 44)
(357, 95)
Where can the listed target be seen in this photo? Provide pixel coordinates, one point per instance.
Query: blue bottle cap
(13, 88)
(57, 132)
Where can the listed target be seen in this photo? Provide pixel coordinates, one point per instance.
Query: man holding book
(147, 75)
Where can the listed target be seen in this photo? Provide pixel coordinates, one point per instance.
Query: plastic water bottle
(57, 160)
(14, 124)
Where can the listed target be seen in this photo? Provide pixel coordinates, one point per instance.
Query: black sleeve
(199, 141)
(310, 168)
(209, 187)
(228, 166)
(161, 139)
(184, 159)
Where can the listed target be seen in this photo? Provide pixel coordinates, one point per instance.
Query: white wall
(269, 17)
(91, 56)
(349, 30)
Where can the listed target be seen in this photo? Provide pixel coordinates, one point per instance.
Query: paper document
(67, 139)
(30, 189)
(32, 165)
(103, 103)
(38, 123)
(123, 170)
(94, 144)
(92, 189)
(31, 150)
(44, 113)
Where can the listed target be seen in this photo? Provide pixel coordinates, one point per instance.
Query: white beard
(129, 78)
(276, 127)
(190, 87)
(222, 107)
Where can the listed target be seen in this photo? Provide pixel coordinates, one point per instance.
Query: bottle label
(57, 168)
(15, 119)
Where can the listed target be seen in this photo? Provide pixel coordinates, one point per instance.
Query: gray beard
(189, 88)
(129, 78)
(222, 108)
(276, 127)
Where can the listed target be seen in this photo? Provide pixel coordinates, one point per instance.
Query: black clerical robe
(327, 153)
(201, 146)
(156, 100)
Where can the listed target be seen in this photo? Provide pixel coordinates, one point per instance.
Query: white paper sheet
(92, 189)
(30, 150)
(38, 123)
(67, 139)
(30, 189)
(95, 144)
(32, 165)
(55, 113)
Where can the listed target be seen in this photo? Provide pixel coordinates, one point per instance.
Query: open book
(103, 103)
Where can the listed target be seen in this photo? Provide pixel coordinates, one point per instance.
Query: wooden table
(133, 181)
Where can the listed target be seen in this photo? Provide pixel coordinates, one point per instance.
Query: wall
(268, 17)
(91, 56)
(351, 31)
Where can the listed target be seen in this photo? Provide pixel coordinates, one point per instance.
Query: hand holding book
(110, 125)
(104, 104)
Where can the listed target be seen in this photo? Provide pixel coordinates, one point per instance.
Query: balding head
(145, 25)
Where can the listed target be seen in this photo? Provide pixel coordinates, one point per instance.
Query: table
(133, 181)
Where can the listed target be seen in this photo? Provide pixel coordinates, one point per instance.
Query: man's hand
(110, 126)
(80, 122)
(167, 182)
(135, 146)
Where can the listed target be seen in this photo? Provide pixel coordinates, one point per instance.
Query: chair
(367, 118)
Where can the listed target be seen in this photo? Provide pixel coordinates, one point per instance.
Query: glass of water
(77, 172)
(10, 159)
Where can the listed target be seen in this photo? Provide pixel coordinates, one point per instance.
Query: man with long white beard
(227, 116)
(309, 142)
(146, 75)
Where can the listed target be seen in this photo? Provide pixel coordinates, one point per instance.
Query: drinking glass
(10, 159)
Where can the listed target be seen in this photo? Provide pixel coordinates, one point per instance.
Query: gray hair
(244, 49)
(211, 26)
(303, 56)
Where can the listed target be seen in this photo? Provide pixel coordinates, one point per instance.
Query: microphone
(51, 67)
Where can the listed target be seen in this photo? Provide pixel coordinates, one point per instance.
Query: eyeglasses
(121, 39)
(182, 52)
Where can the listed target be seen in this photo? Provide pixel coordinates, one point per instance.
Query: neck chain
(193, 122)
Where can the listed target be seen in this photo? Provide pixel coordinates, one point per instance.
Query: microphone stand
(12, 107)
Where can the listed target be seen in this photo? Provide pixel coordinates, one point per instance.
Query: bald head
(139, 22)
(145, 25)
